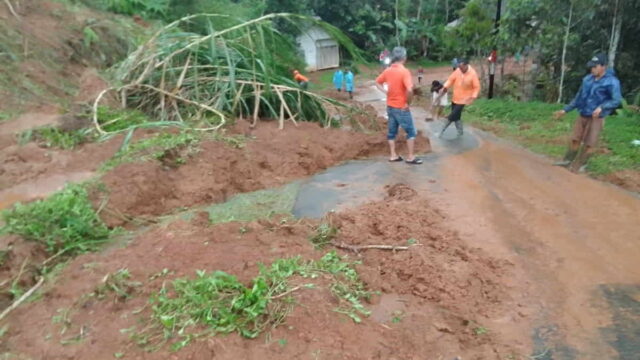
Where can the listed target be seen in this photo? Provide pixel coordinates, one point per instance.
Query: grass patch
(532, 125)
(117, 284)
(52, 137)
(64, 223)
(114, 120)
(255, 205)
(217, 303)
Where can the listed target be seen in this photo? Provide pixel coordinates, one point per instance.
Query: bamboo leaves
(241, 70)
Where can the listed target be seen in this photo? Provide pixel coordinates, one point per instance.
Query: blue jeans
(400, 118)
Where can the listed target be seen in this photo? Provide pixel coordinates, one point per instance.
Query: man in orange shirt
(399, 96)
(302, 80)
(466, 87)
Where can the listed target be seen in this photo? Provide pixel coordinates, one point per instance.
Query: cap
(599, 59)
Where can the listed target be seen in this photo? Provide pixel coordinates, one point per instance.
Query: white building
(320, 50)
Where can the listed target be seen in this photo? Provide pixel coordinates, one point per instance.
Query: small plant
(221, 303)
(479, 330)
(119, 284)
(65, 222)
(89, 37)
(324, 235)
(114, 120)
(52, 137)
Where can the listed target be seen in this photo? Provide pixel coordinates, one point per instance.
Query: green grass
(532, 125)
(220, 304)
(64, 223)
(255, 205)
(52, 137)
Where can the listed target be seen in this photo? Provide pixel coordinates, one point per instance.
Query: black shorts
(456, 112)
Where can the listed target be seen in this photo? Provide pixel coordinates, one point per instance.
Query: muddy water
(576, 241)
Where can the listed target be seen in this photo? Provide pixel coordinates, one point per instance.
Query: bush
(64, 222)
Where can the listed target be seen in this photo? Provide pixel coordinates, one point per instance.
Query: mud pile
(432, 299)
(271, 158)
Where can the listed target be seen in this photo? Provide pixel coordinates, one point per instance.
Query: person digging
(399, 96)
(597, 98)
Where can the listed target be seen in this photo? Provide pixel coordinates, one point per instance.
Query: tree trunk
(564, 54)
(616, 29)
(397, 29)
(446, 10)
(419, 15)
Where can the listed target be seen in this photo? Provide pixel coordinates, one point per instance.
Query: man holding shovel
(597, 98)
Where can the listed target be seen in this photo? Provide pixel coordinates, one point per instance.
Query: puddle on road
(40, 188)
(624, 332)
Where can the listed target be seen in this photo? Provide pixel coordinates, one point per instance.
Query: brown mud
(270, 158)
(439, 299)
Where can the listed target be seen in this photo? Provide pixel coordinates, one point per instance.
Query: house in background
(320, 50)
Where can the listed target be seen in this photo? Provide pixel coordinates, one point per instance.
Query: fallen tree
(239, 71)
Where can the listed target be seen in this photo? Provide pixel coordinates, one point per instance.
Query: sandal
(398, 159)
(415, 161)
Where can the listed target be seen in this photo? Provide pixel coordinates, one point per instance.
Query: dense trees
(558, 36)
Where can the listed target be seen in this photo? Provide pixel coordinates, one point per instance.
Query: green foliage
(236, 69)
(255, 205)
(473, 36)
(531, 124)
(64, 222)
(118, 284)
(222, 304)
(618, 134)
(114, 120)
(52, 137)
(144, 8)
(90, 36)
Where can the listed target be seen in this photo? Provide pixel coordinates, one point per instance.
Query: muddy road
(575, 240)
(517, 257)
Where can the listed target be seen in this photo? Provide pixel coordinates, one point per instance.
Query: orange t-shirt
(300, 77)
(465, 86)
(398, 78)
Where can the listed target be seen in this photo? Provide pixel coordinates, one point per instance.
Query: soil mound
(442, 269)
(400, 192)
(434, 297)
(271, 158)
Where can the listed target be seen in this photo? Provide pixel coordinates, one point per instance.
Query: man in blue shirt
(597, 98)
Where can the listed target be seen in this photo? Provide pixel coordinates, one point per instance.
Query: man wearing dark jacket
(597, 98)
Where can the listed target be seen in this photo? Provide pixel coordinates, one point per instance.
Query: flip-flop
(398, 159)
(415, 161)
